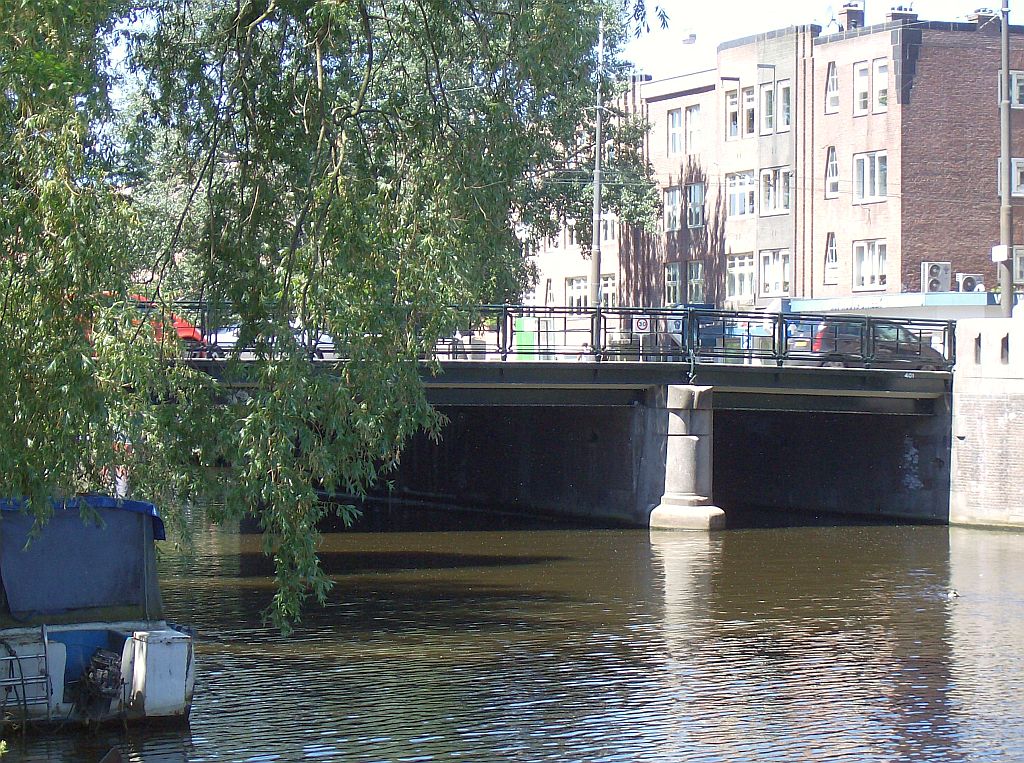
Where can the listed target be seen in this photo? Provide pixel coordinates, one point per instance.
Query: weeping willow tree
(361, 166)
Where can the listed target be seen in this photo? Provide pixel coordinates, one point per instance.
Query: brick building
(822, 167)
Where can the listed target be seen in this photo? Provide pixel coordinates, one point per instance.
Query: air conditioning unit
(935, 276)
(969, 282)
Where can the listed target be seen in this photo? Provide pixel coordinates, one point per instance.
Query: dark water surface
(782, 644)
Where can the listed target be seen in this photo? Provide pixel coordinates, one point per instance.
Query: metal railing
(688, 334)
(647, 334)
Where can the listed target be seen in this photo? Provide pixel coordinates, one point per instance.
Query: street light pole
(1005, 187)
(595, 242)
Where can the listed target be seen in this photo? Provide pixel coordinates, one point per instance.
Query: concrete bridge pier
(686, 504)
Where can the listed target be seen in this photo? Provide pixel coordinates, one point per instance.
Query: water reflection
(773, 644)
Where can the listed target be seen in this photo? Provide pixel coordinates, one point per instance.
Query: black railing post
(504, 333)
(596, 338)
(780, 339)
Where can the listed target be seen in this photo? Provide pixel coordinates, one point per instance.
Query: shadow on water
(256, 564)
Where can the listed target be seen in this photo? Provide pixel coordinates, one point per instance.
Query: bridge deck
(743, 387)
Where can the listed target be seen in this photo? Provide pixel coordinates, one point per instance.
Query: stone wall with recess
(987, 479)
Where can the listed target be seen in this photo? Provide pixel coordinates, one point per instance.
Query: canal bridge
(664, 416)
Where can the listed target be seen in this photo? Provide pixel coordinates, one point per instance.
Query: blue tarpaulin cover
(75, 564)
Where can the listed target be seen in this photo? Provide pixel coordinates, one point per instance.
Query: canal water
(855, 643)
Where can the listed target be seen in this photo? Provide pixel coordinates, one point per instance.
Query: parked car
(860, 343)
(229, 338)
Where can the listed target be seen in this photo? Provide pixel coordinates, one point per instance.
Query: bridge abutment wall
(987, 486)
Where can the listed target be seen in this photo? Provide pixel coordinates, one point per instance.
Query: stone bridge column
(686, 504)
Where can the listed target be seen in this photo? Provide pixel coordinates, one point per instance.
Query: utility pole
(595, 244)
(1005, 188)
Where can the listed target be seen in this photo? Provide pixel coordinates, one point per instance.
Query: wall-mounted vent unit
(935, 276)
(969, 282)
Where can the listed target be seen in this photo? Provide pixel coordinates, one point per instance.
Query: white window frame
(695, 193)
(749, 96)
(774, 272)
(672, 208)
(674, 120)
(832, 88)
(609, 293)
(741, 192)
(776, 185)
(732, 114)
(785, 117)
(1016, 89)
(1018, 264)
(1016, 181)
(767, 108)
(831, 173)
(861, 88)
(609, 228)
(695, 282)
(830, 273)
(577, 291)
(880, 85)
(691, 124)
(673, 283)
(870, 177)
(869, 263)
(739, 277)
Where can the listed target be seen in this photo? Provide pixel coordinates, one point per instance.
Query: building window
(749, 102)
(1016, 179)
(1018, 264)
(739, 276)
(549, 293)
(831, 277)
(609, 227)
(774, 272)
(831, 174)
(870, 177)
(570, 233)
(880, 85)
(861, 88)
(776, 190)
(785, 105)
(1016, 89)
(732, 114)
(672, 284)
(695, 281)
(692, 129)
(695, 205)
(767, 108)
(577, 292)
(671, 209)
(868, 264)
(609, 297)
(675, 132)
(832, 89)
(740, 188)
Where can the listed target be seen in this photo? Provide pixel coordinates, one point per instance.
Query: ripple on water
(773, 645)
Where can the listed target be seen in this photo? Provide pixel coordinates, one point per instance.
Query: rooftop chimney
(852, 15)
(901, 13)
(986, 20)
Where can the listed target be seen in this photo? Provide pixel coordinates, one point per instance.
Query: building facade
(853, 165)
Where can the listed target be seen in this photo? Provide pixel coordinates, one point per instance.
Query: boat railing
(25, 678)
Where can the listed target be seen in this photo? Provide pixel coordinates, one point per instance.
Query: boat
(82, 634)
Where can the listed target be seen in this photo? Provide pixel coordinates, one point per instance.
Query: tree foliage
(354, 166)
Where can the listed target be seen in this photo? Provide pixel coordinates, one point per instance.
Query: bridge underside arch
(833, 463)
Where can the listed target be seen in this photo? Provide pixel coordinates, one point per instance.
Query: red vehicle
(190, 336)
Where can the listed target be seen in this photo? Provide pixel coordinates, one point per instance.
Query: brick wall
(950, 150)
(987, 481)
